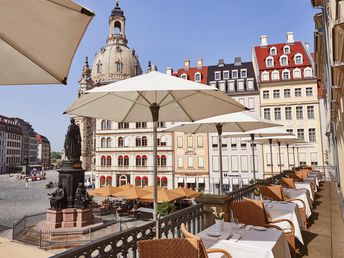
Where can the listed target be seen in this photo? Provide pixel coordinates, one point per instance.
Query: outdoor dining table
(302, 195)
(312, 180)
(269, 243)
(315, 176)
(285, 210)
(305, 185)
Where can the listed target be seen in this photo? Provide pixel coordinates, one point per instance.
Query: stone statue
(72, 143)
(81, 197)
(57, 198)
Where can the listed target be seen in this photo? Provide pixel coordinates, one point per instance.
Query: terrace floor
(325, 237)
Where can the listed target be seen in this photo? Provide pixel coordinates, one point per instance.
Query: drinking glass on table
(236, 226)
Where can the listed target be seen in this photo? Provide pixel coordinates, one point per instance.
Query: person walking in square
(26, 183)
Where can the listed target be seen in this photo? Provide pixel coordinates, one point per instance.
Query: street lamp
(27, 172)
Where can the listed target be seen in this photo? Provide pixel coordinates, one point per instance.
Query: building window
(309, 91)
(298, 59)
(241, 85)
(201, 162)
(119, 67)
(99, 67)
(222, 85)
(310, 112)
(273, 51)
(200, 141)
(283, 60)
(311, 134)
(297, 73)
(225, 75)
(266, 94)
(123, 125)
(217, 76)
(180, 141)
(269, 61)
(190, 162)
(144, 141)
(285, 75)
(189, 141)
(108, 142)
(198, 77)
(103, 161)
(277, 113)
(276, 94)
(267, 115)
(138, 142)
(275, 75)
(103, 125)
(162, 141)
(126, 160)
(307, 72)
(163, 161)
(231, 85)
(108, 160)
(103, 143)
(298, 92)
(184, 76)
(233, 143)
(120, 142)
(288, 115)
(286, 50)
(243, 146)
(144, 160)
(299, 112)
(265, 76)
(301, 134)
(243, 73)
(287, 93)
(141, 124)
(120, 161)
(250, 84)
(235, 74)
(289, 130)
(138, 161)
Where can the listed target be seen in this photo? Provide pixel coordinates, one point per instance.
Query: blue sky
(165, 32)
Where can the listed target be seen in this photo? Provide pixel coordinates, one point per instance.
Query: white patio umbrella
(154, 97)
(286, 140)
(236, 122)
(300, 145)
(38, 39)
(261, 133)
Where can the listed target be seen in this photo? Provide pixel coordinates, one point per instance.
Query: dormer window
(269, 61)
(298, 59)
(217, 75)
(307, 72)
(234, 74)
(265, 76)
(225, 75)
(184, 76)
(119, 67)
(286, 75)
(275, 75)
(297, 73)
(198, 77)
(273, 51)
(283, 60)
(286, 50)
(243, 73)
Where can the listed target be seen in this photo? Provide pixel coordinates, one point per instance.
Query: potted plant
(256, 193)
(165, 208)
(219, 216)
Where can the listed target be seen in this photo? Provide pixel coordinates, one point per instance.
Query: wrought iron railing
(329, 173)
(26, 222)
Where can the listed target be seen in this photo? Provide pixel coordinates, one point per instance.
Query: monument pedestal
(69, 218)
(84, 217)
(54, 219)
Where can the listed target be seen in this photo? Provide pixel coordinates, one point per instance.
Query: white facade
(2, 152)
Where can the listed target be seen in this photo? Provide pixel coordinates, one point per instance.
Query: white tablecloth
(285, 210)
(302, 195)
(253, 244)
(315, 177)
(305, 185)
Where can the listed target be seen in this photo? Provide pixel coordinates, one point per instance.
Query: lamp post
(27, 172)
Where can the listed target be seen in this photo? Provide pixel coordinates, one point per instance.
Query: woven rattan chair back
(249, 212)
(287, 182)
(273, 192)
(169, 248)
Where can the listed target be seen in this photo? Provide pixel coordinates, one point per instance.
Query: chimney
(237, 61)
(187, 64)
(169, 70)
(221, 62)
(263, 40)
(306, 46)
(290, 37)
(199, 63)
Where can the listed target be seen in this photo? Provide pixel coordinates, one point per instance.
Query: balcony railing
(133, 168)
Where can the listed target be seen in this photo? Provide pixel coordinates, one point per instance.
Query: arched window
(138, 142)
(144, 141)
(103, 125)
(138, 160)
(102, 181)
(158, 181)
(298, 58)
(184, 76)
(99, 67)
(163, 161)
(198, 77)
(117, 28)
(126, 160)
(273, 51)
(164, 181)
(126, 141)
(269, 62)
(120, 161)
(119, 67)
(283, 60)
(109, 180)
(158, 160)
(308, 72)
(144, 181)
(163, 141)
(123, 180)
(285, 75)
(103, 161)
(103, 142)
(138, 181)
(108, 161)
(144, 160)
(108, 142)
(120, 142)
(297, 73)
(275, 75)
(265, 76)
(286, 50)
(108, 125)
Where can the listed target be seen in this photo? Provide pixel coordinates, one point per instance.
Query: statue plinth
(84, 217)
(69, 218)
(70, 175)
(54, 219)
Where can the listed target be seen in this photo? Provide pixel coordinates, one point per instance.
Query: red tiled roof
(191, 72)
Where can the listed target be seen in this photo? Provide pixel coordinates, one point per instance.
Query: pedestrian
(27, 184)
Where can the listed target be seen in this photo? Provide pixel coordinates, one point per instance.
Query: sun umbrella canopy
(125, 187)
(131, 193)
(264, 132)
(164, 195)
(188, 193)
(105, 191)
(151, 188)
(179, 100)
(38, 39)
(283, 140)
(235, 122)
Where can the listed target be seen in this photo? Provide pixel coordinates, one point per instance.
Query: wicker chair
(203, 251)
(252, 212)
(287, 182)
